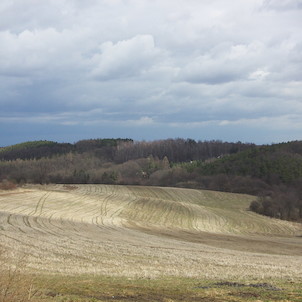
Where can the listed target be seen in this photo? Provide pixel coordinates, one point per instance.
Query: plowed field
(146, 232)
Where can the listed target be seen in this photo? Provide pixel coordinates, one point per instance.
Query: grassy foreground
(99, 288)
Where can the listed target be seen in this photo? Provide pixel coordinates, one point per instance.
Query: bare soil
(146, 232)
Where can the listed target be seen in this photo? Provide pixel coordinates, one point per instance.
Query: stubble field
(146, 233)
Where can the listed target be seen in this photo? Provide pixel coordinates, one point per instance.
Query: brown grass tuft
(14, 285)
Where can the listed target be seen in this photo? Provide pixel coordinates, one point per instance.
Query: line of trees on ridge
(274, 172)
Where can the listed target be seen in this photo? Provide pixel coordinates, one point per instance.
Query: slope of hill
(137, 231)
(280, 162)
(278, 166)
(34, 150)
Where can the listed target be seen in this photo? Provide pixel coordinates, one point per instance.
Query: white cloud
(126, 58)
(143, 121)
(258, 75)
(42, 53)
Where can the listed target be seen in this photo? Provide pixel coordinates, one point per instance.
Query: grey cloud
(283, 5)
(150, 63)
(18, 15)
(212, 75)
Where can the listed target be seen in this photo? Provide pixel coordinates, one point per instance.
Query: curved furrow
(122, 230)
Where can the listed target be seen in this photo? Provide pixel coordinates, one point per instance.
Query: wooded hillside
(274, 172)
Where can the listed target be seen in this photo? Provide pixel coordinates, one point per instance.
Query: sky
(229, 70)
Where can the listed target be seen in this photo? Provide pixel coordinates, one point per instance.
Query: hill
(34, 150)
(136, 243)
(150, 231)
(40, 149)
(280, 163)
(103, 160)
(278, 166)
(274, 173)
(120, 150)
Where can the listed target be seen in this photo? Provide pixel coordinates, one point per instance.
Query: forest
(273, 173)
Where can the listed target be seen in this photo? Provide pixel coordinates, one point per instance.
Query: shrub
(7, 185)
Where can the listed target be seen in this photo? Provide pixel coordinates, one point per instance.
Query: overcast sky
(151, 69)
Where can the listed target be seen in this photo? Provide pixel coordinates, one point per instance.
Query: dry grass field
(146, 233)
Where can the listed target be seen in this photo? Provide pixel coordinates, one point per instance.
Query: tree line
(121, 150)
(273, 173)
